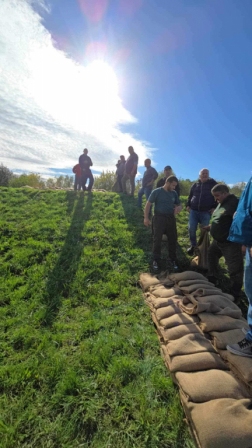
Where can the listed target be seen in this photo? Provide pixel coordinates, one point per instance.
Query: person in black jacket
(85, 164)
(200, 205)
(167, 173)
(219, 229)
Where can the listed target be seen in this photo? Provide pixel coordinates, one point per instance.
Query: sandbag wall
(195, 321)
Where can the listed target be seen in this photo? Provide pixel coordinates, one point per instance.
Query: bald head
(204, 175)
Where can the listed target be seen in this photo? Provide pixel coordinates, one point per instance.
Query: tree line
(105, 181)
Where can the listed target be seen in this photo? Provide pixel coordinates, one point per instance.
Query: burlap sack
(212, 292)
(196, 362)
(221, 340)
(200, 387)
(192, 282)
(197, 285)
(168, 311)
(191, 305)
(240, 365)
(178, 319)
(147, 280)
(165, 292)
(202, 248)
(191, 343)
(219, 300)
(163, 302)
(186, 275)
(223, 423)
(178, 332)
(214, 322)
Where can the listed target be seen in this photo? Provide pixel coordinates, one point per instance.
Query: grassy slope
(80, 361)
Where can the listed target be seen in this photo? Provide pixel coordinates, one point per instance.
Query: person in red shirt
(77, 172)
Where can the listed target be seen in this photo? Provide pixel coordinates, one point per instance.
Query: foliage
(5, 176)
(33, 180)
(238, 188)
(105, 181)
(80, 363)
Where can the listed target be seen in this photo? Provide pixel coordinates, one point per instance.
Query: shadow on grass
(60, 279)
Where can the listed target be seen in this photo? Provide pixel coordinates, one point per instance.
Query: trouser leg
(214, 253)
(76, 181)
(91, 181)
(132, 183)
(248, 288)
(124, 181)
(204, 218)
(158, 229)
(171, 232)
(193, 224)
(84, 178)
(119, 178)
(234, 260)
(140, 196)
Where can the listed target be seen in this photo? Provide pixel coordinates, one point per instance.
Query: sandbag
(223, 423)
(147, 280)
(202, 248)
(165, 292)
(197, 285)
(214, 322)
(221, 340)
(196, 362)
(186, 275)
(163, 302)
(178, 319)
(240, 365)
(191, 305)
(192, 282)
(212, 292)
(219, 300)
(191, 343)
(200, 387)
(167, 311)
(174, 333)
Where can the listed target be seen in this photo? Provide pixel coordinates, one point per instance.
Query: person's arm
(146, 213)
(188, 204)
(160, 183)
(154, 177)
(91, 163)
(134, 169)
(178, 206)
(178, 190)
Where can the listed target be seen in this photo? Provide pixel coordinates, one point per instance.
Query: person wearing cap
(85, 164)
(167, 173)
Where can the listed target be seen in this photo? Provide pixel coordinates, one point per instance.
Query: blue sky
(184, 85)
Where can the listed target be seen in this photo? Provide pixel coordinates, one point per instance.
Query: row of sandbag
(185, 308)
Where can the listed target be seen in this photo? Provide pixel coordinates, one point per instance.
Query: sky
(173, 79)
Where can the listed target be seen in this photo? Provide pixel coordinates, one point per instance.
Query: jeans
(233, 257)
(143, 191)
(119, 178)
(87, 174)
(77, 182)
(196, 218)
(248, 288)
(164, 224)
(132, 182)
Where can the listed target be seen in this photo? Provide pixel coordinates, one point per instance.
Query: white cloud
(50, 106)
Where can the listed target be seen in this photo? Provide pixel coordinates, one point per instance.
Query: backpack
(241, 228)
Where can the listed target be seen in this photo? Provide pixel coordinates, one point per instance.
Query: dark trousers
(233, 257)
(85, 175)
(119, 178)
(164, 224)
(77, 182)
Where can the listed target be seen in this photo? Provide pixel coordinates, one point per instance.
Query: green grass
(80, 364)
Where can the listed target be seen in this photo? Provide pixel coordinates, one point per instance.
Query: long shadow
(60, 279)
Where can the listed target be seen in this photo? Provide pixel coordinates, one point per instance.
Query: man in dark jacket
(130, 170)
(150, 175)
(120, 171)
(200, 204)
(219, 229)
(85, 164)
(167, 173)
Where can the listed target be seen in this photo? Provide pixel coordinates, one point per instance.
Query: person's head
(85, 151)
(204, 175)
(147, 163)
(171, 183)
(122, 158)
(220, 192)
(131, 149)
(167, 171)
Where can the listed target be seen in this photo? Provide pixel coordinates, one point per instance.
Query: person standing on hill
(221, 222)
(77, 181)
(167, 204)
(150, 175)
(120, 171)
(167, 172)
(85, 164)
(200, 205)
(130, 170)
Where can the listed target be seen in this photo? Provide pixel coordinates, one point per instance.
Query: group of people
(83, 172)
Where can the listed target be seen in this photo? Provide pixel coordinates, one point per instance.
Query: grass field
(80, 361)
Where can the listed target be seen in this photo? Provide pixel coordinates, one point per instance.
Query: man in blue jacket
(241, 232)
(200, 205)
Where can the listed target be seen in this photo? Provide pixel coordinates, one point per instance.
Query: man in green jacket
(221, 222)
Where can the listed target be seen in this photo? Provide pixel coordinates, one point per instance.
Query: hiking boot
(190, 251)
(155, 265)
(243, 348)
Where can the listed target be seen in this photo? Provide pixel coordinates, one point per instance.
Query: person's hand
(178, 209)
(146, 222)
(150, 183)
(206, 227)
(212, 210)
(188, 208)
